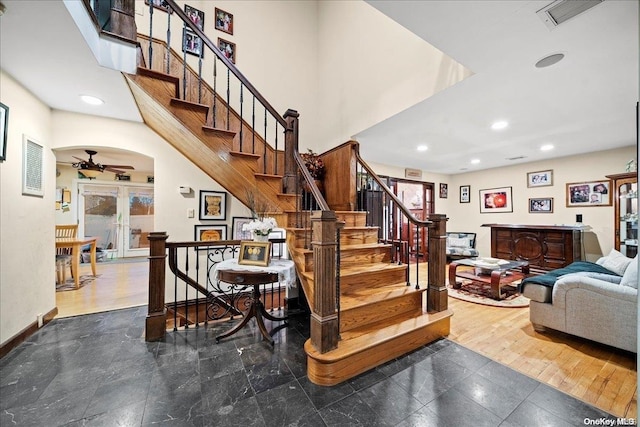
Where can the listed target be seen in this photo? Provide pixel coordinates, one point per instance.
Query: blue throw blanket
(549, 279)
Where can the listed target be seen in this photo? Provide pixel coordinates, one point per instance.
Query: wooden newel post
(123, 20)
(437, 285)
(324, 316)
(156, 323)
(290, 147)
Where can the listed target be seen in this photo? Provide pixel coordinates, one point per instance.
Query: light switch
(190, 213)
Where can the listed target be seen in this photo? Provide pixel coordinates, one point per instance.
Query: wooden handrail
(230, 65)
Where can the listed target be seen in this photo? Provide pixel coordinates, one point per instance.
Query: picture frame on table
(191, 43)
(277, 248)
(444, 190)
(236, 226)
(4, 124)
(540, 178)
(541, 205)
(465, 194)
(160, 4)
(589, 193)
(496, 200)
(228, 49)
(209, 233)
(213, 205)
(255, 253)
(224, 21)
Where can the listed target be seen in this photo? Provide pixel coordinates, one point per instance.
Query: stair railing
(262, 129)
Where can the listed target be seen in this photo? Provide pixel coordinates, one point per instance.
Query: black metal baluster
(275, 160)
(228, 98)
(241, 114)
(338, 277)
(200, 73)
(253, 126)
(150, 35)
(186, 291)
(168, 50)
(184, 67)
(417, 255)
(264, 156)
(215, 90)
(197, 258)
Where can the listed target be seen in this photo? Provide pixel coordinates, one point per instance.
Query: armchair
(461, 245)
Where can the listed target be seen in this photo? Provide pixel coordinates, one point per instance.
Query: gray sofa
(598, 306)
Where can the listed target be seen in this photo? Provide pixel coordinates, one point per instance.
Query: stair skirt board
(368, 351)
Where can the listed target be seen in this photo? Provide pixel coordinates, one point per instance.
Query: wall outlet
(191, 213)
(40, 319)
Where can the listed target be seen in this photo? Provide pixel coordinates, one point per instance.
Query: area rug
(480, 293)
(69, 284)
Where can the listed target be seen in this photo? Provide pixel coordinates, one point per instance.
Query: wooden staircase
(381, 317)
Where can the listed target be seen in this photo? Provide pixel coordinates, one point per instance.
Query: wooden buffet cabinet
(546, 247)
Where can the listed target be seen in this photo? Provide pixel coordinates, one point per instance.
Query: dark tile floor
(96, 370)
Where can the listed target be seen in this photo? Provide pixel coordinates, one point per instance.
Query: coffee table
(493, 271)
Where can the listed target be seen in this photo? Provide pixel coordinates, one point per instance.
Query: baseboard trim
(21, 336)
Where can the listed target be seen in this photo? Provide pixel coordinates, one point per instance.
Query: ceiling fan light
(90, 173)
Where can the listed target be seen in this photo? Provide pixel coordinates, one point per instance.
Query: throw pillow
(615, 262)
(458, 242)
(611, 278)
(630, 277)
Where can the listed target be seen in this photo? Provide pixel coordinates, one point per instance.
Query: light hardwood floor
(597, 374)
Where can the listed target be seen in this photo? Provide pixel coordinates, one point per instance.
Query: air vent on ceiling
(516, 158)
(561, 11)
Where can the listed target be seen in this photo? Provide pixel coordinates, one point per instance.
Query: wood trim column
(156, 322)
(123, 21)
(324, 317)
(437, 287)
(290, 147)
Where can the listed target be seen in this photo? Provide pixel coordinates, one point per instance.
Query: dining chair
(63, 255)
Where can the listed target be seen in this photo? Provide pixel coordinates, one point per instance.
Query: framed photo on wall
(213, 205)
(160, 4)
(196, 16)
(590, 193)
(210, 233)
(465, 194)
(540, 178)
(541, 205)
(4, 123)
(496, 200)
(236, 226)
(191, 43)
(228, 49)
(444, 190)
(224, 21)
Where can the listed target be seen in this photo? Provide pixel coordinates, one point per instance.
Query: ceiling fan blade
(116, 171)
(119, 166)
(82, 160)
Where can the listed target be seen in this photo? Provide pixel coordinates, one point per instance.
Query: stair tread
(365, 296)
(361, 339)
(218, 130)
(359, 246)
(369, 268)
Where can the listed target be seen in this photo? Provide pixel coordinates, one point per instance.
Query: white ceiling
(584, 103)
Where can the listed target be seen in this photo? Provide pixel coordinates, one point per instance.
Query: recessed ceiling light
(546, 147)
(422, 148)
(501, 124)
(91, 100)
(548, 61)
(475, 161)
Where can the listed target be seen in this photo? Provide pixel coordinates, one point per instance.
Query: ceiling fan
(90, 169)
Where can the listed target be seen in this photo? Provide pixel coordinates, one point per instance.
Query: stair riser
(328, 373)
(353, 283)
(380, 310)
(351, 219)
(347, 236)
(352, 257)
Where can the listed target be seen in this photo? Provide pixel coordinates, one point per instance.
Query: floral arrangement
(260, 226)
(314, 164)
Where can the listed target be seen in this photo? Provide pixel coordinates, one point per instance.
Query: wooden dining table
(76, 244)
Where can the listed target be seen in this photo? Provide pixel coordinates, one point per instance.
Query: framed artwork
(590, 193)
(4, 123)
(224, 21)
(496, 200)
(160, 4)
(196, 16)
(236, 226)
(540, 178)
(465, 194)
(32, 167)
(444, 190)
(191, 43)
(542, 205)
(210, 233)
(254, 253)
(228, 49)
(213, 205)
(277, 233)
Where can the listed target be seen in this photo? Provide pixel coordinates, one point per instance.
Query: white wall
(27, 236)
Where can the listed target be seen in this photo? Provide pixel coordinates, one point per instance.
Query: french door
(119, 215)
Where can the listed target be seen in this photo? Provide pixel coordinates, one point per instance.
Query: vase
(260, 238)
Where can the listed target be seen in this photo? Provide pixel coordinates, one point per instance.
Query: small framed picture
(228, 49)
(196, 16)
(210, 233)
(4, 123)
(254, 253)
(496, 200)
(160, 4)
(590, 193)
(213, 205)
(542, 205)
(224, 21)
(191, 43)
(444, 190)
(236, 226)
(540, 178)
(465, 194)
